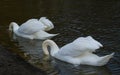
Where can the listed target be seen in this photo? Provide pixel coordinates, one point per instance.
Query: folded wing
(79, 46)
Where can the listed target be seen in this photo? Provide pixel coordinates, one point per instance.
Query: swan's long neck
(53, 46)
(13, 26)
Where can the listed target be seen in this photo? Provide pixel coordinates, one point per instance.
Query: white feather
(31, 26)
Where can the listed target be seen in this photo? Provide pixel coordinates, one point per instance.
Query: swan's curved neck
(13, 26)
(53, 46)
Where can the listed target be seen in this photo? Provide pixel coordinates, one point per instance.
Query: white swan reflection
(64, 68)
(33, 53)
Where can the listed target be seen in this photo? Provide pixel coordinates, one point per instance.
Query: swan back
(86, 44)
(49, 25)
(31, 26)
(80, 46)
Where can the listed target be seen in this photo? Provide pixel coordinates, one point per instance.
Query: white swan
(33, 29)
(86, 58)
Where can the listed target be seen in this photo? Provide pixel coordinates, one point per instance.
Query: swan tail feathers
(52, 35)
(112, 54)
(105, 59)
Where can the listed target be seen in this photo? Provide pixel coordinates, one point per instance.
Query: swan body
(33, 29)
(84, 57)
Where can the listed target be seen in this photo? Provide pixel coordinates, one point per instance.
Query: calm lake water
(72, 19)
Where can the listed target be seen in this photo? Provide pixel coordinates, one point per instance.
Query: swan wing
(86, 44)
(80, 46)
(69, 50)
(31, 26)
(47, 23)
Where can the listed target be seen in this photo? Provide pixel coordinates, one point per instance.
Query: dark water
(72, 19)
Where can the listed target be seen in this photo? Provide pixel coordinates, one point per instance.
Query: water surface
(72, 19)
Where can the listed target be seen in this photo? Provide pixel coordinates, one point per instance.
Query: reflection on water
(68, 69)
(32, 53)
(72, 19)
(31, 47)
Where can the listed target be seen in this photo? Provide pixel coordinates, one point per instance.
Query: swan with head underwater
(33, 28)
(80, 51)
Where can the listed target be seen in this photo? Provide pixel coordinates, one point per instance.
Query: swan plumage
(33, 28)
(80, 45)
(76, 57)
(49, 25)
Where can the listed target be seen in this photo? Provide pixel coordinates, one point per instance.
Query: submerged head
(53, 47)
(13, 26)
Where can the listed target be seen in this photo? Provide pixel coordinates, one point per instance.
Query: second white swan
(74, 56)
